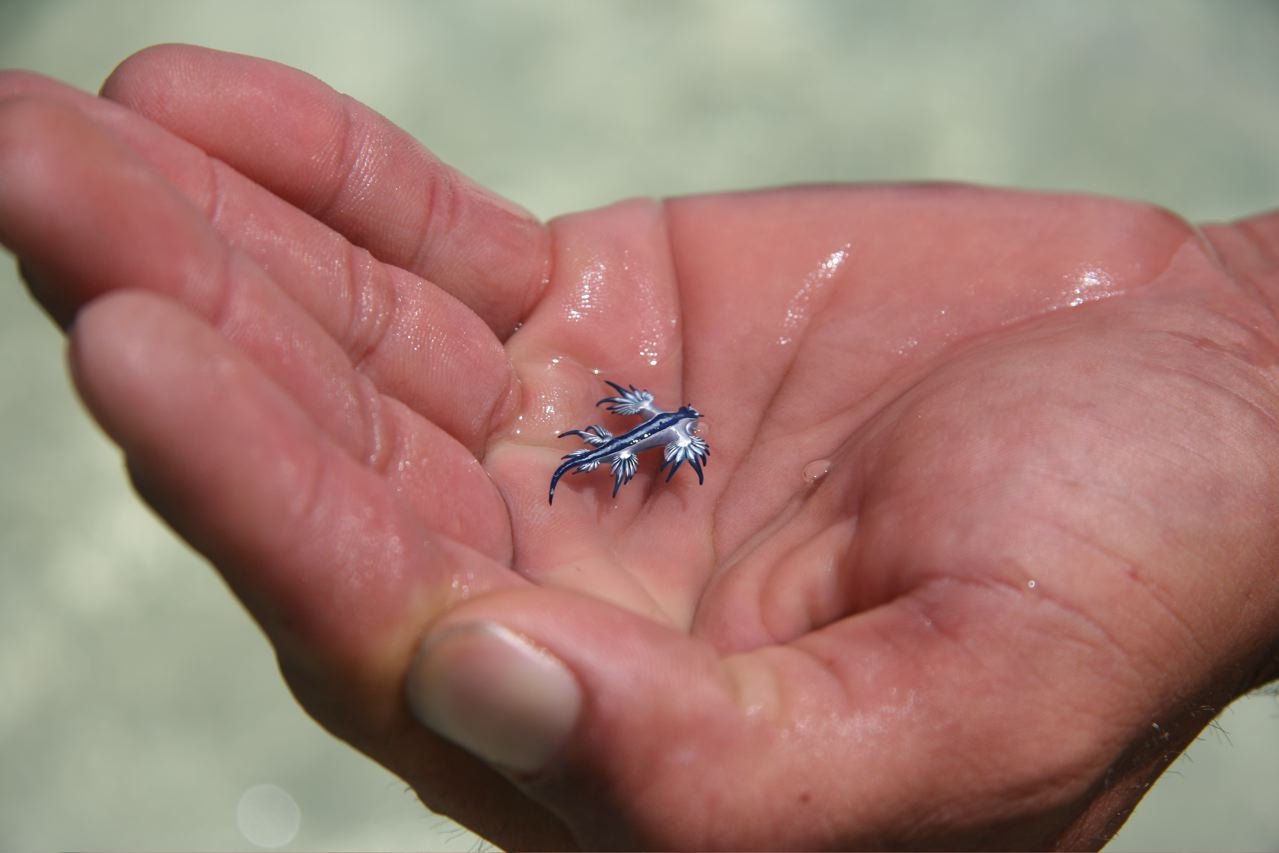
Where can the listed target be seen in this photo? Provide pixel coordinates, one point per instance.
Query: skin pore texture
(987, 535)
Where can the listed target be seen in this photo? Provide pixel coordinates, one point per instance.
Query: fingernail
(495, 694)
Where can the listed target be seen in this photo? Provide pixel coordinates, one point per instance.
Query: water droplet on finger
(816, 470)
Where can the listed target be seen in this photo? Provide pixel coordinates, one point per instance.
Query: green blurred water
(138, 705)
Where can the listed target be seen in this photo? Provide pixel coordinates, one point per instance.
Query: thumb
(888, 728)
(624, 727)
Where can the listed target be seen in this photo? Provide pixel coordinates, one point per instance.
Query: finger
(339, 574)
(349, 167)
(61, 212)
(412, 339)
(898, 712)
(320, 548)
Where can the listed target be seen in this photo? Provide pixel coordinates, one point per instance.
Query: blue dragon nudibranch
(675, 431)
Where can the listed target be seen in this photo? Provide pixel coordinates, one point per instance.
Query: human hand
(1039, 560)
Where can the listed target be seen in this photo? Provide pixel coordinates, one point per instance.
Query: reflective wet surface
(140, 708)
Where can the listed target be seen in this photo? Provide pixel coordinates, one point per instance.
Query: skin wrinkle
(920, 596)
(761, 421)
(1149, 580)
(534, 289)
(1080, 705)
(1121, 495)
(1255, 280)
(1248, 376)
(1147, 584)
(1172, 459)
(786, 510)
(1042, 474)
(801, 495)
(752, 543)
(539, 282)
(372, 302)
(676, 251)
(379, 433)
(352, 164)
(1074, 769)
(442, 212)
(1034, 789)
(1221, 330)
(502, 432)
(917, 602)
(953, 351)
(1271, 420)
(1191, 236)
(366, 399)
(762, 591)
(223, 316)
(373, 305)
(671, 276)
(1211, 238)
(501, 419)
(1125, 657)
(1259, 242)
(214, 192)
(803, 601)
(832, 580)
(219, 305)
(1131, 569)
(1257, 351)
(216, 294)
(1161, 600)
(342, 160)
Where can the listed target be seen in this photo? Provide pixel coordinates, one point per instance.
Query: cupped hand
(986, 536)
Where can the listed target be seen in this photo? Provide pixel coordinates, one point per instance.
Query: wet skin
(1041, 554)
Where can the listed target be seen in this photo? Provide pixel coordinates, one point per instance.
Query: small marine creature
(674, 431)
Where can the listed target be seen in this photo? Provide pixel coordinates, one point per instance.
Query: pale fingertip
(495, 694)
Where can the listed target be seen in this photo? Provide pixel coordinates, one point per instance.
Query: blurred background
(139, 707)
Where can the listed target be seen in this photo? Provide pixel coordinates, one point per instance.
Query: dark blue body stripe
(653, 425)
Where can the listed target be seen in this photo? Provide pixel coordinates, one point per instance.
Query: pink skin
(1050, 422)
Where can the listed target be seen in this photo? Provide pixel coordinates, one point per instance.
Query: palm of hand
(1029, 424)
(836, 366)
(949, 410)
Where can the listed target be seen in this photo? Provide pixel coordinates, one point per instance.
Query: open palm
(985, 538)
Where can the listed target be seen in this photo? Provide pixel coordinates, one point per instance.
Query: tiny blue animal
(675, 431)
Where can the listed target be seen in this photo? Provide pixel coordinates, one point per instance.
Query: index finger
(347, 166)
